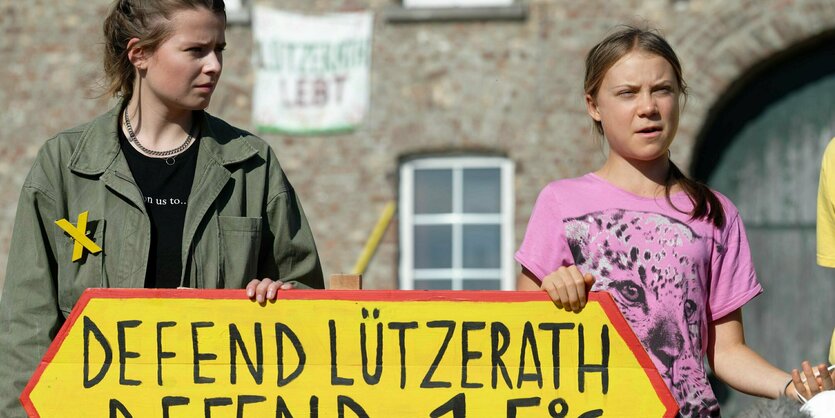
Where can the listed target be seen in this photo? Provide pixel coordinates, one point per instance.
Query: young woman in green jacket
(166, 195)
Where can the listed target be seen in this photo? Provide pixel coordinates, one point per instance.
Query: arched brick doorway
(761, 145)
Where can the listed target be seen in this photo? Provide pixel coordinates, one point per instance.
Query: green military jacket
(243, 221)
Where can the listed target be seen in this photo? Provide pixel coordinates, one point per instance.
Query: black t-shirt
(165, 189)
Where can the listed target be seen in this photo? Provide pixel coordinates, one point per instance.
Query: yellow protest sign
(215, 353)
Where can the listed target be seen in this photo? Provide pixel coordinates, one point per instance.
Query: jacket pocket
(240, 242)
(74, 277)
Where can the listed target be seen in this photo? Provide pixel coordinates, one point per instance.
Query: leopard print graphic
(646, 261)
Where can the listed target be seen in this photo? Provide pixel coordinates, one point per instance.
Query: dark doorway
(762, 146)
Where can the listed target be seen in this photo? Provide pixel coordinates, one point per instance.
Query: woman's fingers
(827, 378)
(272, 289)
(265, 289)
(551, 288)
(250, 288)
(588, 282)
(811, 381)
(576, 289)
(567, 293)
(799, 387)
(261, 290)
(567, 287)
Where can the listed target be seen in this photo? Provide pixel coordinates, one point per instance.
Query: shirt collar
(99, 143)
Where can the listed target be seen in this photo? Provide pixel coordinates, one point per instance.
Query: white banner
(312, 72)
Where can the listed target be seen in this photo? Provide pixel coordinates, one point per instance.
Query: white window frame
(412, 11)
(408, 219)
(417, 4)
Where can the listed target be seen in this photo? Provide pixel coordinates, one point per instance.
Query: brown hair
(602, 57)
(146, 20)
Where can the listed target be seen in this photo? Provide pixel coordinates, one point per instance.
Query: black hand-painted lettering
(162, 354)
(343, 401)
(235, 340)
(552, 408)
(401, 328)
(116, 406)
(371, 379)
(314, 407)
(497, 350)
(514, 404)
(592, 414)
(457, 405)
(602, 368)
(197, 355)
(210, 403)
(555, 329)
(466, 354)
(169, 401)
(281, 410)
(427, 379)
(244, 400)
(528, 339)
(282, 330)
(90, 327)
(124, 354)
(335, 379)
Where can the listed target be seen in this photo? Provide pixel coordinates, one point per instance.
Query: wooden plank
(345, 282)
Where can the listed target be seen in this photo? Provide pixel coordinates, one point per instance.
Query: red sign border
(604, 299)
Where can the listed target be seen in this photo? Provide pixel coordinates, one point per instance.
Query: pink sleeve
(545, 248)
(733, 281)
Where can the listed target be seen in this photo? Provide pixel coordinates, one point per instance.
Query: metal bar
(374, 240)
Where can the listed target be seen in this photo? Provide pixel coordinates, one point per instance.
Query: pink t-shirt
(669, 275)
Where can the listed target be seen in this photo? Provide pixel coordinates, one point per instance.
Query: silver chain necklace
(170, 155)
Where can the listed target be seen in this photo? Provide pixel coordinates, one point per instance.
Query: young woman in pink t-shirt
(671, 252)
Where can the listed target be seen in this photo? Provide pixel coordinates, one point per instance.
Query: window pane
(433, 191)
(482, 245)
(433, 246)
(482, 190)
(481, 284)
(433, 284)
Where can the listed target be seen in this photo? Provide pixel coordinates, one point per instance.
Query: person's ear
(591, 108)
(138, 56)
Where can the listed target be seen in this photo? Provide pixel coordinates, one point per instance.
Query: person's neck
(158, 127)
(642, 178)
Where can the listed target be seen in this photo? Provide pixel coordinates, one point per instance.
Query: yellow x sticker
(79, 234)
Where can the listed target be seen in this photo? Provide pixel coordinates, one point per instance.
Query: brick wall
(513, 88)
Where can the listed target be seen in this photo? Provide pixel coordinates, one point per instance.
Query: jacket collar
(98, 147)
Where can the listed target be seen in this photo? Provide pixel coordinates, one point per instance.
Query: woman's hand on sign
(266, 289)
(809, 381)
(568, 288)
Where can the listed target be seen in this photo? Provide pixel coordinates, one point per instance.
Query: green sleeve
(29, 313)
(288, 251)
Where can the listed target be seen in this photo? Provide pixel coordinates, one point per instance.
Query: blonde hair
(146, 20)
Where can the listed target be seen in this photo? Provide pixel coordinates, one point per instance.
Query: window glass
(482, 245)
(433, 191)
(482, 190)
(435, 284)
(482, 284)
(433, 246)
